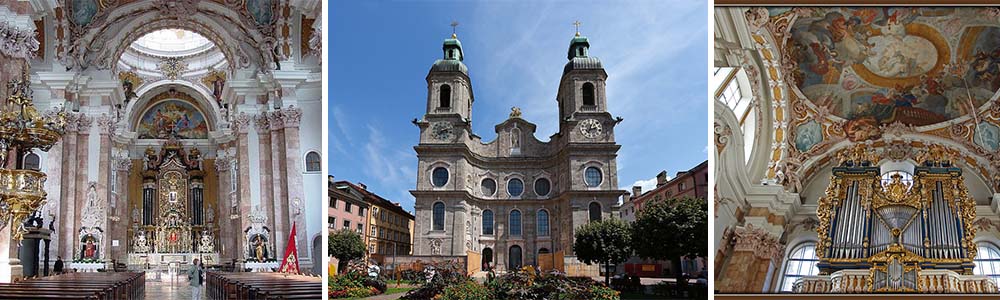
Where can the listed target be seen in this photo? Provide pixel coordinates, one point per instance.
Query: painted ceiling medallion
(172, 67)
(917, 66)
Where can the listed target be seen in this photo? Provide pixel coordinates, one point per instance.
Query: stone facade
(463, 180)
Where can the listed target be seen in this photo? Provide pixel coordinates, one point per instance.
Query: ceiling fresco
(877, 75)
(875, 65)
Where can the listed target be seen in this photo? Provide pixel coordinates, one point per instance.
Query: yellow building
(390, 229)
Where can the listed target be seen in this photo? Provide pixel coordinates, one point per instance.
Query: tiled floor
(161, 286)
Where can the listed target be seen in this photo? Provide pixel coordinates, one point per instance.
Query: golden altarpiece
(172, 221)
(891, 231)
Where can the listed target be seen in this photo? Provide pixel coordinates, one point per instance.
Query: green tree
(672, 228)
(605, 242)
(345, 245)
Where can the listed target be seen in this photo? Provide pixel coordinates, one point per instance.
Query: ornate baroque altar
(172, 224)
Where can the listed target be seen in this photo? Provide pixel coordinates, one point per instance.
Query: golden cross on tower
(577, 24)
(454, 24)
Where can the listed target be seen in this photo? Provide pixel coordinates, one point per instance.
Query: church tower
(449, 90)
(449, 97)
(583, 109)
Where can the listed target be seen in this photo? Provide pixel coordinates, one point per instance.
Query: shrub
(354, 285)
(468, 290)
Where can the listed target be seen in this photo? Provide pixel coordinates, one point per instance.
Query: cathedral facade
(515, 199)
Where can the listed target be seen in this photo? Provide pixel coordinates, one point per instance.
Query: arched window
(732, 88)
(439, 177)
(595, 211)
(438, 216)
(32, 162)
(988, 261)
(313, 162)
(514, 223)
(588, 92)
(444, 96)
(515, 187)
(488, 222)
(801, 262)
(543, 223)
(592, 176)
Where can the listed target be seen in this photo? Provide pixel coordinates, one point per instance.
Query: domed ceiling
(916, 66)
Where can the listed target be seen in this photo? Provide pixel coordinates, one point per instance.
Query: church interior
(141, 135)
(856, 150)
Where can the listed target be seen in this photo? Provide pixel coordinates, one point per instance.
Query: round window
(489, 186)
(592, 176)
(439, 177)
(515, 187)
(542, 187)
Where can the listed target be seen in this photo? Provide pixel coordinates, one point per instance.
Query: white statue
(207, 243)
(141, 244)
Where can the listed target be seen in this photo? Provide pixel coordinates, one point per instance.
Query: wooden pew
(253, 286)
(98, 286)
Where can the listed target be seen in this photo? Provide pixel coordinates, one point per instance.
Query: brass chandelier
(22, 129)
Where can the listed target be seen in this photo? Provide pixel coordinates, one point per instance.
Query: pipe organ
(897, 226)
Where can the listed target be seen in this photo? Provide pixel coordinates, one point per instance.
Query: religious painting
(917, 66)
(807, 135)
(172, 119)
(261, 11)
(83, 11)
(89, 247)
(987, 135)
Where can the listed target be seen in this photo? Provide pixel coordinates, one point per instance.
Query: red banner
(291, 262)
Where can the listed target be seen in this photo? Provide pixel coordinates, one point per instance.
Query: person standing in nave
(58, 268)
(195, 275)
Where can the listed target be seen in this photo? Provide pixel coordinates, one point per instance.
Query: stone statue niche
(91, 235)
(258, 244)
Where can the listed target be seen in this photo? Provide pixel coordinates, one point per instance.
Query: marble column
(266, 195)
(241, 126)
(295, 202)
(67, 205)
(105, 125)
(122, 165)
(81, 176)
(53, 167)
(754, 252)
(226, 234)
(281, 225)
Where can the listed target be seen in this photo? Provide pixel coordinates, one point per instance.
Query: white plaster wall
(311, 139)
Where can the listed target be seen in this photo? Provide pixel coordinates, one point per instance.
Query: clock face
(441, 130)
(590, 128)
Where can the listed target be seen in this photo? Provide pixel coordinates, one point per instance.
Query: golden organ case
(909, 232)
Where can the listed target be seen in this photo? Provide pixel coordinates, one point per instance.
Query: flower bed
(521, 284)
(354, 285)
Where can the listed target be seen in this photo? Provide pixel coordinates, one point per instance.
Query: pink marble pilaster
(81, 175)
(67, 202)
(293, 165)
(280, 199)
(266, 195)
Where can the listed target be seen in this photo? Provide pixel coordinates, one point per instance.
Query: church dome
(453, 56)
(579, 55)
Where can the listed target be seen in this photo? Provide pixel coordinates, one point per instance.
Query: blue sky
(380, 51)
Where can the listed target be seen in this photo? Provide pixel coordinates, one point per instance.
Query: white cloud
(646, 185)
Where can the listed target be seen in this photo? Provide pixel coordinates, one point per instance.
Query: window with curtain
(988, 261)
(801, 262)
(438, 216)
